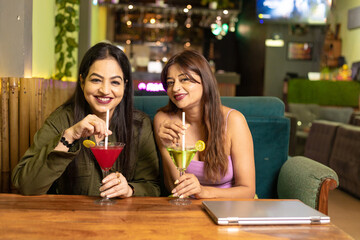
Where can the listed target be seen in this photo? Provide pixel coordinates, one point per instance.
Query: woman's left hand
(187, 185)
(115, 185)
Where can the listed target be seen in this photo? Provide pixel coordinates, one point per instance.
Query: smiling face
(184, 90)
(104, 86)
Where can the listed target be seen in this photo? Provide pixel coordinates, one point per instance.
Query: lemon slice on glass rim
(200, 145)
(88, 143)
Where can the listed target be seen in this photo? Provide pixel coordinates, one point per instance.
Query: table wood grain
(77, 217)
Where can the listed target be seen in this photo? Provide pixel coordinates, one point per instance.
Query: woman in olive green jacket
(57, 161)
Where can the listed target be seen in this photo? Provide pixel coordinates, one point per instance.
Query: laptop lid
(263, 212)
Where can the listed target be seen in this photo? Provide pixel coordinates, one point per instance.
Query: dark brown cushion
(320, 141)
(345, 158)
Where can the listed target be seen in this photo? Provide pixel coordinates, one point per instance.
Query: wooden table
(77, 217)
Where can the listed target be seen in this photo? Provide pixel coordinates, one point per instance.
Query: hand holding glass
(106, 156)
(181, 158)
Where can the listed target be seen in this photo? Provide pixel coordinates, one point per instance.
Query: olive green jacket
(44, 170)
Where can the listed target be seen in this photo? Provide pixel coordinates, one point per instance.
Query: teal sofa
(277, 175)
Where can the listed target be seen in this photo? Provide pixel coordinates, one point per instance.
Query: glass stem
(182, 172)
(105, 173)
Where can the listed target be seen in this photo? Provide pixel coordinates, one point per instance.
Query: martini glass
(106, 156)
(181, 158)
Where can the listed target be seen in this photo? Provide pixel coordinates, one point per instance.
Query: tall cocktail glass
(181, 158)
(106, 156)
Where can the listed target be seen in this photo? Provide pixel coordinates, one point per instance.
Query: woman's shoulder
(61, 114)
(161, 116)
(231, 112)
(140, 116)
(233, 117)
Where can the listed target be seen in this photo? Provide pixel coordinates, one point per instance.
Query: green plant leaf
(59, 18)
(68, 65)
(59, 39)
(71, 11)
(58, 47)
(71, 42)
(62, 32)
(67, 69)
(60, 63)
(62, 5)
(68, 73)
(70, 27)
(59, 76)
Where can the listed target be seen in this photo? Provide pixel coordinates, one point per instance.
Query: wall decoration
(300, 51)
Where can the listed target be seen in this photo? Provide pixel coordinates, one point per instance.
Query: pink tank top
(197, 168)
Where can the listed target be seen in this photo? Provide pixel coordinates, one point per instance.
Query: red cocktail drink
(106, 157)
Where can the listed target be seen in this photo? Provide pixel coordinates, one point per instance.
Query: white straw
(107, 128)
(183, 139)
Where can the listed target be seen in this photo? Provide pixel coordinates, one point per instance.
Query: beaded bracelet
(66, 143)
(132, 188)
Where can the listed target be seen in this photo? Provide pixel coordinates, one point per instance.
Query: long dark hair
(122, 119)
(216, 162)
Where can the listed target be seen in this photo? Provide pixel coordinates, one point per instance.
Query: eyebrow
(180, 75)
(99, 76)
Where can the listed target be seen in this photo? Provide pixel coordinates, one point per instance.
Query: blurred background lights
(151, 87)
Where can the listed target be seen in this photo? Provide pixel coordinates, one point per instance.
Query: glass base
(105, 201)
(180, 201)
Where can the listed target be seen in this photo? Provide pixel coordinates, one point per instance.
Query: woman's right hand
(90, 125)
(170, 131)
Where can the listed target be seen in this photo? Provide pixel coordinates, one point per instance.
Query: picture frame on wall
(302, 51)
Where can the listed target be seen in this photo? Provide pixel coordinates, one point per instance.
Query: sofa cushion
(320, 141)
(336, 114)
(305, 114)
(271, 141)
(345, 158)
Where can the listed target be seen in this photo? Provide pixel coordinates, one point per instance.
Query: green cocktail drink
(181, 158)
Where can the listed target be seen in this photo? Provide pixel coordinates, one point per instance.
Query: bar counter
(77, 217)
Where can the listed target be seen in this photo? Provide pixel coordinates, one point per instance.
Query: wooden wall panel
(32, 109)
(25, 104)
(5, 158)
(24, 116)
(14, 123)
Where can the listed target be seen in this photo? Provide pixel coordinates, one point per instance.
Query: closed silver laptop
(263, 212)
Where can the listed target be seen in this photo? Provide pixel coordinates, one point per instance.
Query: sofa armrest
(307, 180)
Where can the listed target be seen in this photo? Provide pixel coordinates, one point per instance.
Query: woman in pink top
(225, 169)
